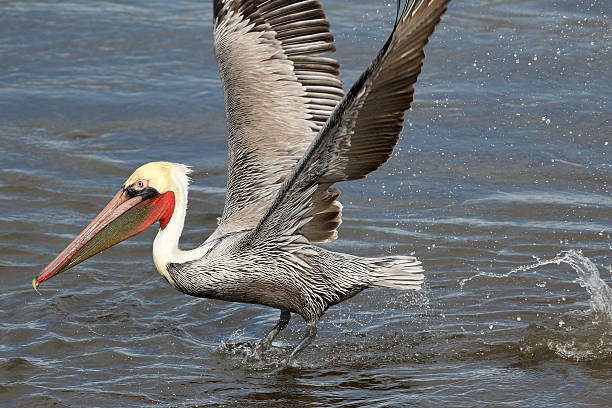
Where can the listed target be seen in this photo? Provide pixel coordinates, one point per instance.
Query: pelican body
(293, 133)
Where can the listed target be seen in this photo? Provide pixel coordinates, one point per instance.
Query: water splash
(245, 354)
(587, 272)
(578, 335)
(584, 336)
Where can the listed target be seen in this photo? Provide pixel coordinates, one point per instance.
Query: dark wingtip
(216, 7)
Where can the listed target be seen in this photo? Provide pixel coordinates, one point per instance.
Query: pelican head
(152, 193)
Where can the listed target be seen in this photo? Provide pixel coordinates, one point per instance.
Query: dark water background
(505, 163)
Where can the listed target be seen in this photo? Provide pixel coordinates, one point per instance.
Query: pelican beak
(129, 213)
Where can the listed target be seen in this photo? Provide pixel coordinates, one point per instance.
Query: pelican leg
(311, 332)
(271, 335)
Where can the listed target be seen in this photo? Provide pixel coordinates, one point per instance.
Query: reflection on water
(504, 162)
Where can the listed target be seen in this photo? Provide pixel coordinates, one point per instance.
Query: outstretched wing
(361, 132)
(279, 91)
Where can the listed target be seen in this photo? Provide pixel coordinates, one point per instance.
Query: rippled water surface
(504, 166)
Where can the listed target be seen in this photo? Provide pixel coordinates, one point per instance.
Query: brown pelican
(292, 134)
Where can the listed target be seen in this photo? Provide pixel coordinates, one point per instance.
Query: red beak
(123, 217)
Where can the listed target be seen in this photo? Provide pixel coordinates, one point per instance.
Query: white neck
(166, 245)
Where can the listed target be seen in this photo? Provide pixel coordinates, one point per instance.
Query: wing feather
(362, 131)
(279, 91)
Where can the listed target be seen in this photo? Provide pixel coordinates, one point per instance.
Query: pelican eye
(140, 184)
(141, 188)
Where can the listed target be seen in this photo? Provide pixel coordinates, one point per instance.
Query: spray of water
(587, 272)
(579, 336)
(588, 275)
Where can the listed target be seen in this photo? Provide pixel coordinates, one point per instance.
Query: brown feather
(279, 91)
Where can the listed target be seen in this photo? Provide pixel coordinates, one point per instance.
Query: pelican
(292, 134)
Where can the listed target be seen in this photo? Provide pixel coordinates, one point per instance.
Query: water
(587, 336)
(501, 184)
